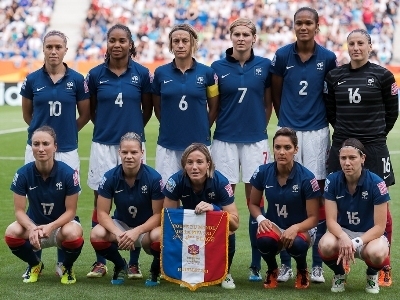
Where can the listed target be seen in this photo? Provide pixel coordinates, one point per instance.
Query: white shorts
(312, 233)
(231, 158)
(314, 151)
(51, 241)
(71, 158)
(168, 162)
(122, 226)
(353, 235)
(103, 158)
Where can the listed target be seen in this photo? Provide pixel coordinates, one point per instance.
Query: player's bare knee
(14, 230)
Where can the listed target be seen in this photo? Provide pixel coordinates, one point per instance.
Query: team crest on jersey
(135, 79)
(364, 195)
(200, 79)
(382, 188)
(15, 179)
(258, 71)
(211, 195)
(69, 85)
(295, 188)
(320, 65)
(394, 89)
(144, 189)
(370, 81)
(59, 186)
(170, 185)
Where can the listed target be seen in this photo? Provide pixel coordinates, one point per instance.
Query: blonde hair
(192, 33)
(57, 33)
(203, 149)
(131, 136)
(243, 22)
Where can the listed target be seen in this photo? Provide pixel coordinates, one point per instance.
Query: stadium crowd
(24, 22)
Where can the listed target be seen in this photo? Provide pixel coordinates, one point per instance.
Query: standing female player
(51, 96)
(298, 72)
(292, 193)
(120, 102)
(201, 188)
(368, 91)
(240, 142)
(52, 189)
(185, 97)
(135, 190)
(356, 204)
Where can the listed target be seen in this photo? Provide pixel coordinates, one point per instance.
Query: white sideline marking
(5, 131)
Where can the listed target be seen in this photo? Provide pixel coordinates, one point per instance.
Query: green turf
(12, 148)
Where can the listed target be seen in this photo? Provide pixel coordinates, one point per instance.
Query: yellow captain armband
(212, 91)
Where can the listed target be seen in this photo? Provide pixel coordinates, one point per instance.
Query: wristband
(260, 218)
(215, 208)
(357, 243)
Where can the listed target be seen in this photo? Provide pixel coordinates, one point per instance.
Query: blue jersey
(302, 103)
(356, 212)
(54, 104)
(46, 197)
(183, 96)
(217, 191)
(287, 203)
(133, 205)
(242, 117)
(119, 101)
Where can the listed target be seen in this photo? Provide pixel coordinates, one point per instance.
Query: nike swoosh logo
(341, 82)
(386, 176)
(118, 191)
(338, 197)
(268, 186)
(101, 82)
(184, 196)
(223, 76)
(32, 188)
(254, 222)
(166, 81)
(289, 67)
(39, 89)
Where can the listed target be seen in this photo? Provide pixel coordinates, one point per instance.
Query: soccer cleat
(134, 272)
(271, 281)
(98, 270)
(33, 272)
(385, 276)
(338, 282)
(119, 275)
(153, 280)
(317, 275)
(302, 279)
(68, 276)
(59, 269)
(285, 273)
(228, 282)
(254, 274)
(372, 286)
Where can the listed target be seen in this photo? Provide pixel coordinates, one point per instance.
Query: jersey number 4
(119, 101)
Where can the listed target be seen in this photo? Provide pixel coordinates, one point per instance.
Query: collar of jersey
(360, 181)
(53, 170)
(365, 66)
(187, 183)
(230, 58)
(138, 175)
(291, 175)
(194, 64)
(66, 69)
(315, 48)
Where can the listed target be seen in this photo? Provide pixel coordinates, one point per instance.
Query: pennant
(194, 248)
